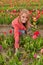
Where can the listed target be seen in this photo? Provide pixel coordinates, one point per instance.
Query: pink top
(17, 26)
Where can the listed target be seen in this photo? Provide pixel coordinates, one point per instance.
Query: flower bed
(31, 48)
(6, 29)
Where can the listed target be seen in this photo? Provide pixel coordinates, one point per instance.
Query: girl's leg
(22, 32)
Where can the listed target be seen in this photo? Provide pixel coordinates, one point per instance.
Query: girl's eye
(24, 17)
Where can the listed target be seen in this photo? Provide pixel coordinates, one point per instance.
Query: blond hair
(27, 12)
(24, 11)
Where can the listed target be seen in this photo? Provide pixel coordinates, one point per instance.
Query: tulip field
(30, 51)
(31, 45)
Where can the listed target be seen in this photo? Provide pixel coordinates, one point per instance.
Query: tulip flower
(30, 12)
(34, 19)
(34, 36)
(36, 33)
(10, 31)
(41, 51)
(35, 55)
(38, 11)
(14, 11)
(4, 33)
(38, 16)
(42, 11)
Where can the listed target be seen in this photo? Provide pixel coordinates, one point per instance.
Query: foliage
(31, 48)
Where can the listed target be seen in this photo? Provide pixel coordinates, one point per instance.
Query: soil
(6, 28)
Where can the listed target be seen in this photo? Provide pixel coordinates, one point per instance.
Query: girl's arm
(16, 36)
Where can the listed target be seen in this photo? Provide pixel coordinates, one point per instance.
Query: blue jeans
(22, 31)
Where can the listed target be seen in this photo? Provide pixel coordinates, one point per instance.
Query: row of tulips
(7, 16)
(14, 11)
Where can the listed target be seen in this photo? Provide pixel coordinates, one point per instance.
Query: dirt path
(5, 28)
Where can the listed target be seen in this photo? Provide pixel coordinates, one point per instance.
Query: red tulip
(38, 11)
(4, 33)
(10, 31)
(34, 36)
(30, 12)
(38, 16)
(14, 11)
(36, 33)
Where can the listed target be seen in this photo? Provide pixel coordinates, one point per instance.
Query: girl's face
(24, 18)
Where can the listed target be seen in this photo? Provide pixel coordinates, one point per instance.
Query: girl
(21, 24)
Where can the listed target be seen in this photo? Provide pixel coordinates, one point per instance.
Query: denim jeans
(22, 31)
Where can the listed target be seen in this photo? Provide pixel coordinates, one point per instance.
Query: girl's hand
(16, 51)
